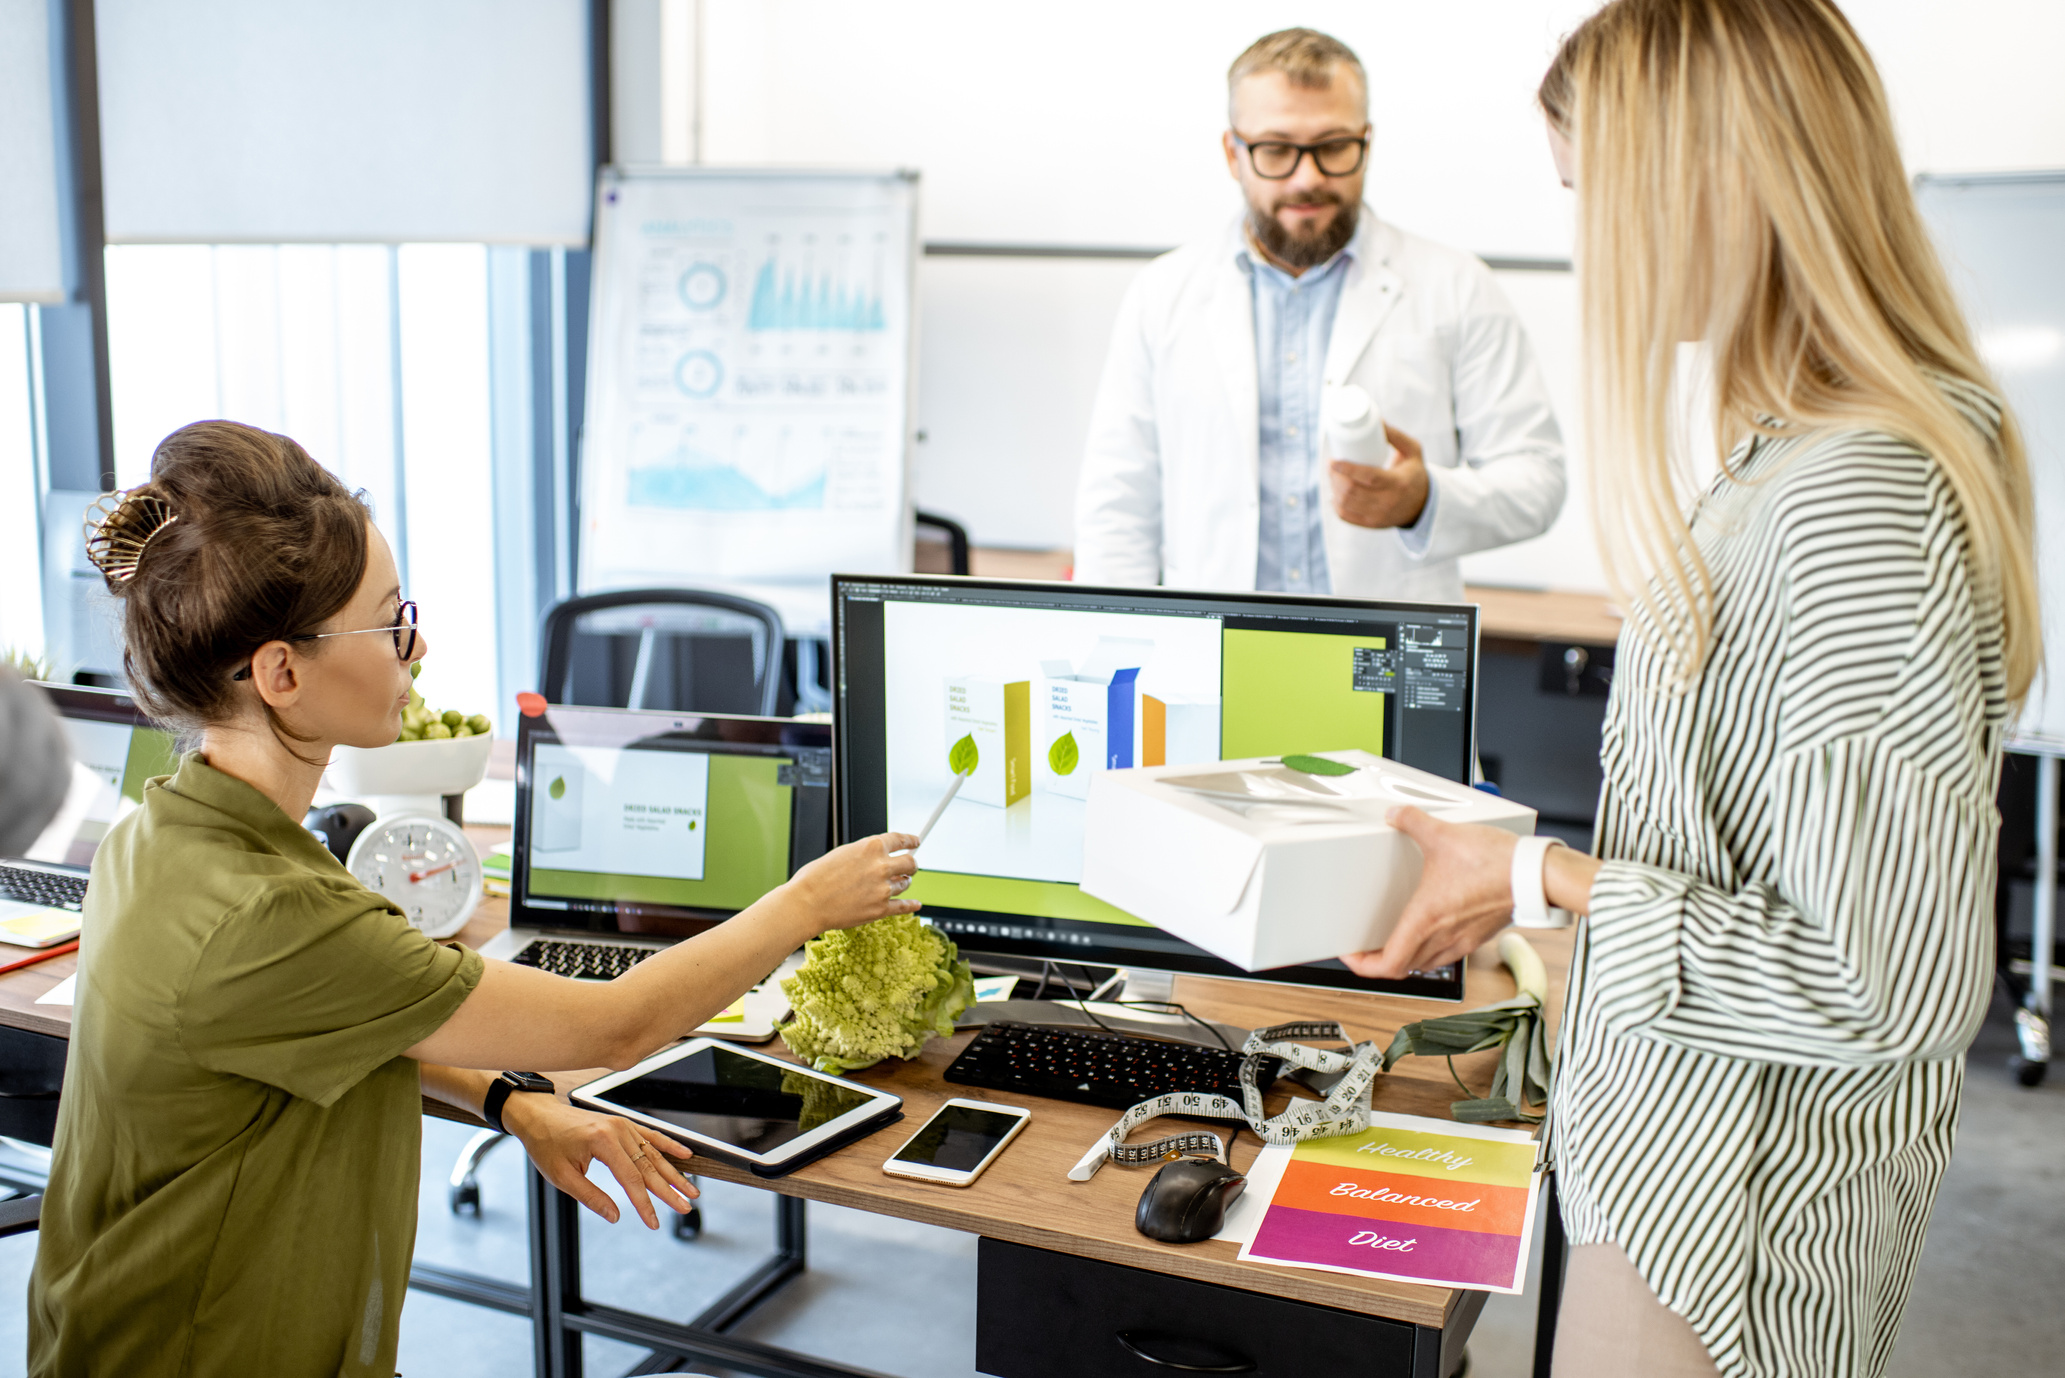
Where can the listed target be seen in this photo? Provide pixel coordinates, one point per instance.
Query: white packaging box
(1096, 703)
(998, 715)
(1266, 866)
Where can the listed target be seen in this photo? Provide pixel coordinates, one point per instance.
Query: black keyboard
(52, 889)
(1096, 1068)
(587, 961)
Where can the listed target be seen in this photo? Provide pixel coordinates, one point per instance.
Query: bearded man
(1206, 466)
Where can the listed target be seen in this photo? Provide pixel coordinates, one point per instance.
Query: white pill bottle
(1354, 430)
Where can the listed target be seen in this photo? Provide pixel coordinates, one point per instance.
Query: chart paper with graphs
(750, 382)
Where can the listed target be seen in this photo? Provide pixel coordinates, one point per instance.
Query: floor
(900, 1298)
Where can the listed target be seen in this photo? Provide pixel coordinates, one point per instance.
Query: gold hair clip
(119, 526)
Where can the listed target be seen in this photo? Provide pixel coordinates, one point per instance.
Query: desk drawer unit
(1046, 1315)
(32, 1071)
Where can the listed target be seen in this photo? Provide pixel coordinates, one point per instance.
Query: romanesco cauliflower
(880, 990)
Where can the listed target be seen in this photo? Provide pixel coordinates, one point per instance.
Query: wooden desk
(1026, 1197)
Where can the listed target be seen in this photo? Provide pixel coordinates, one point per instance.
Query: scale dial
(426, 866)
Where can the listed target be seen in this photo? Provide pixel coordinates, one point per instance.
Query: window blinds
(336, 121)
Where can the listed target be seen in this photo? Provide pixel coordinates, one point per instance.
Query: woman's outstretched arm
(521, 1018)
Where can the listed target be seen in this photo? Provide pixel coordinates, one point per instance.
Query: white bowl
(450, 766)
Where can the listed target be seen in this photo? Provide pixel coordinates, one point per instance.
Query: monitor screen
(1042, 685)
(642, 822)
(114, 750)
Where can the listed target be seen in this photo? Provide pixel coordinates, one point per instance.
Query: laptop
(114, 750)
(636, 829)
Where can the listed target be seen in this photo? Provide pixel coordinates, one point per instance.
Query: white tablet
(739, 1103)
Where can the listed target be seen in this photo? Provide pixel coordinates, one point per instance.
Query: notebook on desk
(637, 829)
(114, 750)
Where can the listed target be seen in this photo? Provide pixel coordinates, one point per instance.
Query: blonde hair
(1739, 182)
(1306, 57)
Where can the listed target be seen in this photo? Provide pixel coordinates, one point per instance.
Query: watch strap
(504, 1086)
(1530, 900)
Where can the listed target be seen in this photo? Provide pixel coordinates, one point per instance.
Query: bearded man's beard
(1307, 250)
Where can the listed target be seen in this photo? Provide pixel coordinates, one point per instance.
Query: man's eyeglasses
(402, 629)
(1276, 160)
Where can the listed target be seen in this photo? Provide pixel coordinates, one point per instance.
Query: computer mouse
(1187, 1200)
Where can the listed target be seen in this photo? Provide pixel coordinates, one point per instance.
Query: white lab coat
(1168, 492)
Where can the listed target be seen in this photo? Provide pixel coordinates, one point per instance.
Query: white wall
(1082, 123)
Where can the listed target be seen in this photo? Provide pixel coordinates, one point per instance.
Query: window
(374, 358)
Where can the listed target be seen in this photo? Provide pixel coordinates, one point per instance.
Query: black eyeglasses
(1277, 160)
(403, 629)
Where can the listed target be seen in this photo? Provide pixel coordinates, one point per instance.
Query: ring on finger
(899, 884)
(639, 1156)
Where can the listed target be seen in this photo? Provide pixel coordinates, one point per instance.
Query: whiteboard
(750, 385)
(2003, 242)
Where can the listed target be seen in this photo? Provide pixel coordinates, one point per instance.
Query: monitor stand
(1159, 986)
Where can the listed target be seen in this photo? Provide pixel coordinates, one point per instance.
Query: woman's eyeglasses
(402, 629)
(1276, 160)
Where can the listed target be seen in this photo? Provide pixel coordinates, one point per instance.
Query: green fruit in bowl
(480, 724)
(437, 732)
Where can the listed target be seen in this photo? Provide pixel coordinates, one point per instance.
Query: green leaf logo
(963, 758)
(1064, 754)
(1317, 765)
(557, 789)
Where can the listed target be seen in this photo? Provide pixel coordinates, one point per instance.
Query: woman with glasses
(1788, 940)
(233, 1184)
(1207, 464)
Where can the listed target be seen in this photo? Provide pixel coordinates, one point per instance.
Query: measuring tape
(1346, 1110)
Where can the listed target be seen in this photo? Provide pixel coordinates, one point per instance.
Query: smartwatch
(1530, 902)
(502, 1087)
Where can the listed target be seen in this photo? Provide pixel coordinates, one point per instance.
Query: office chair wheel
(464, 1195)
(689, 1228)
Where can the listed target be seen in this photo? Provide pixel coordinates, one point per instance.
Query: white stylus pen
(940, 807)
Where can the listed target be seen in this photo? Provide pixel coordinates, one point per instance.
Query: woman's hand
(563, 1140)
(860, 882)
(1464, 898)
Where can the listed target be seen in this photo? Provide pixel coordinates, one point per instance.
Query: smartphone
(961, 1139)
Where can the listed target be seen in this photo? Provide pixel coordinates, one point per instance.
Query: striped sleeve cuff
(1631, 947)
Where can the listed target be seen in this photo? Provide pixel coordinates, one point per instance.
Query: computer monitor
(922, 662)
(661, 823)
(115, 748)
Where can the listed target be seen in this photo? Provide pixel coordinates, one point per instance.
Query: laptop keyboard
(53, 890)
(583, 961)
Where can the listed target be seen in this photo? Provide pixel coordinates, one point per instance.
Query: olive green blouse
(233, 1186)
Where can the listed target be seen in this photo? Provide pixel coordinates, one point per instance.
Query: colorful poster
(1410, 1199)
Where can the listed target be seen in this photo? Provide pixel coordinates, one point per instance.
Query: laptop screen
(662, 823)
(114, 750)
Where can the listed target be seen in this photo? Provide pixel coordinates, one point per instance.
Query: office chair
(956, 541)
(689, 650)
(21, 1215)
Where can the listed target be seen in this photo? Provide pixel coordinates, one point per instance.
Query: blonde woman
(1788, 940)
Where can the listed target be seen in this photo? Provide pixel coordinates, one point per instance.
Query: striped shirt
(1790, 945)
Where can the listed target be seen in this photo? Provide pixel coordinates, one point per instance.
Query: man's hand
(563, 1140)
(1465, 897)
(1366, 495)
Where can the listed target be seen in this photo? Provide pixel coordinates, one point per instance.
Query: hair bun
(119, 526)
